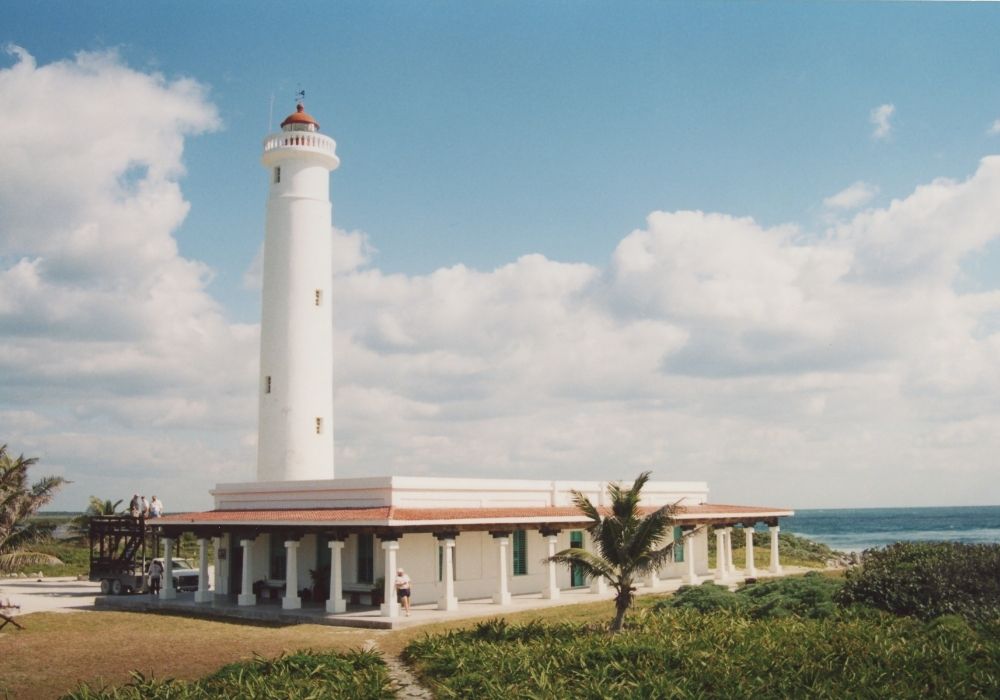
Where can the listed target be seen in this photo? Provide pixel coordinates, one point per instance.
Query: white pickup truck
(185, 576)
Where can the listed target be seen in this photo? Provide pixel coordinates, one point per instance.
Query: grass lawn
(57, 651)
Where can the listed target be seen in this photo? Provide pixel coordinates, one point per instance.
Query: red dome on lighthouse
(299, 120)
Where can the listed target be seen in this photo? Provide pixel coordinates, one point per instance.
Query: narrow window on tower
(277, 175)
(319, 426)
(319, 297)
(267, 385)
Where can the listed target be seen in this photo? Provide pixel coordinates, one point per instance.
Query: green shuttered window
(520, 553)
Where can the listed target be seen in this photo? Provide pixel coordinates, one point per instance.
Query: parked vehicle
(120, 547)
(185, 576)
(121, 550)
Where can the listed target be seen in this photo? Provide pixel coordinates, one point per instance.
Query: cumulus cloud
(783, 365)
(880, 118)
(107, 333)
(853, 196)
(351, 250)
(708, 347)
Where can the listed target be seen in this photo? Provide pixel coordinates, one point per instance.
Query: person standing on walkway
(155, 574)
(135, 506)
(403, 590)
(145, 507)
(155, 508)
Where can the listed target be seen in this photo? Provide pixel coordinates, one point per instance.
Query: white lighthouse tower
(295, 430)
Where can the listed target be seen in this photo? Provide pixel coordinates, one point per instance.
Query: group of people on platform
(140, 507)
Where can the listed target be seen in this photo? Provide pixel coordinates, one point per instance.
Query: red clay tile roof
(386, 515)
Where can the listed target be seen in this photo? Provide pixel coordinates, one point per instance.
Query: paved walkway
(66, 594)
(55, 594)
(407, 685)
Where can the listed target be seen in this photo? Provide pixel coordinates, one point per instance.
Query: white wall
(426, 492)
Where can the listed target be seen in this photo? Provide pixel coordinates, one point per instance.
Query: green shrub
(704, 598)
(792, 549)
(358, 675)
(928, 579)
(812, 595)
(799, 548)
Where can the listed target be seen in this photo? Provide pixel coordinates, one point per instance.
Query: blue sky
(472, 134)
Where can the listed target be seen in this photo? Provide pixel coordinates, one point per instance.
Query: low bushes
(811, 596)
(681, 653)
(928, 579)
(357, 675)
(777, 639)
(793, 550)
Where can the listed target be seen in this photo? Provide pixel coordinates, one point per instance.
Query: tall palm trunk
(623, 601)
(619, 621)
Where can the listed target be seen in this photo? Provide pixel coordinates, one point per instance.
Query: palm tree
(629, 545)
(80, 525)
(19, 500)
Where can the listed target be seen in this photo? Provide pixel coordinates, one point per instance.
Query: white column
(551, 590)
(336, 602)
(654, 576)
(203, 595)
(448, 601)
(775, 567)
(217, 584)
(730, 567)
(751, 568)
(720, 554)
(597, 585)
(502, 594)
(390, 606)
(690, 578)
(291, 601)
(247, 596)
(167, 590)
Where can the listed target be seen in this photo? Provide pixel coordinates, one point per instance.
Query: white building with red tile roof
(304, 534)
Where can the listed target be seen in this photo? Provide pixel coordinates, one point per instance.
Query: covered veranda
(502, 553)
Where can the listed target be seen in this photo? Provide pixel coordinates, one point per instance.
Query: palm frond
(19, 500)
(17, 560)
(627, 544)
(586, 507)
(591, 565)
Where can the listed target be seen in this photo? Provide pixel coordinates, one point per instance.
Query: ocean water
(857, 529)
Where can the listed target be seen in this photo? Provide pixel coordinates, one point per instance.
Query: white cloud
(784, 366)
(851, 197)
(351, 250)
(880, 117)
(994, 128)
(108, 335)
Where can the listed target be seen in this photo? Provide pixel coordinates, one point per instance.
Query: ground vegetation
(684, 653)
(929, 579)
(357, 675)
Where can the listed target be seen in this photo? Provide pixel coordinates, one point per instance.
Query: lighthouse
(295, 419)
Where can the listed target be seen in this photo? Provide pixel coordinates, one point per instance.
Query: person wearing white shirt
(403, 590)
